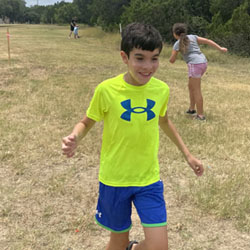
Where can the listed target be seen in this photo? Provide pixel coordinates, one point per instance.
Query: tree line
(225, 21)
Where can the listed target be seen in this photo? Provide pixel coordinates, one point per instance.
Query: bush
(235, 33)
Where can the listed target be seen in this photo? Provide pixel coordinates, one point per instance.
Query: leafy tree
(161, 14)
(240, 21)
(145, 11)
(216, 28)
(199, 8)
(107, 13)
(225, 8)
(85, 13)
(235, 33)
(199, 16)
(34, 13)
(198, 25)
(32, 17)
(176, 12)
(239, 27)
(66, 12)
(13, 9)
(48, 16)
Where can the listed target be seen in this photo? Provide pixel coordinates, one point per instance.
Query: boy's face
(142, 64)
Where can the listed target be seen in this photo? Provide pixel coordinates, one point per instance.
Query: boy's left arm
(168, 127)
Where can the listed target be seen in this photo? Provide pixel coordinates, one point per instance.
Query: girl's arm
(70, 142)
(202, 40)
(168, 127)
(173, 56)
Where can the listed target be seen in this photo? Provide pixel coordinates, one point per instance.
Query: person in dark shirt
(72, 26)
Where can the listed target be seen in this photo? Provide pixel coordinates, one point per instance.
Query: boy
(76, 31)
(132, 105)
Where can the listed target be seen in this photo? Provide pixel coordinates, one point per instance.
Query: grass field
(48, 201)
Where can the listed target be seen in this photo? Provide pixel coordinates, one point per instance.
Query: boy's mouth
(145, 74)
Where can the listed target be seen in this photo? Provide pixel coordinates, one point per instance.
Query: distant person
(188, 45)
(72, 26)
(76, 28)
(132, 105)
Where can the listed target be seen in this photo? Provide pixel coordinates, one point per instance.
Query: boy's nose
(147, 65)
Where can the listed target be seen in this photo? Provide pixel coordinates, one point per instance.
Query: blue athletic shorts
(115, 206)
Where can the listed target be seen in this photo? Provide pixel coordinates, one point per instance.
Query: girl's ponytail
(184, 42)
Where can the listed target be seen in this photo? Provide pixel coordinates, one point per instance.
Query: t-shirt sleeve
(195, 37)
(98, 105)
(165, 104)
(176, 46)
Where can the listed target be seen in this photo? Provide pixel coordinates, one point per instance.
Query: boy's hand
(196, 165)
(69, 145)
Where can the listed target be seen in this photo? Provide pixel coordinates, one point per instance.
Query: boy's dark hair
(140, 36)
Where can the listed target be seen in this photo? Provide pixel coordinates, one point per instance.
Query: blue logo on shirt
(137, 110)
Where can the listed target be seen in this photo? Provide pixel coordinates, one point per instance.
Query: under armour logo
(137, 110)
(99, 214)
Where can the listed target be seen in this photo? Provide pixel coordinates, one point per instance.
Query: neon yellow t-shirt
(130, 142)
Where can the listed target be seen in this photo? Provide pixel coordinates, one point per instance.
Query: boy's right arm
(70, 142)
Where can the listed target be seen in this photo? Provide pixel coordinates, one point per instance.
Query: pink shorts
(196, 70)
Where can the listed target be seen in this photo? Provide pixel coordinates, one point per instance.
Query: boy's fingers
(69, 145)
(65, 140)
(69, 154)
(199, 170)
(68, 148)
(69, 140)
(72, 137)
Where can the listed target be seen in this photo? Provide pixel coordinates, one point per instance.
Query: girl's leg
(118, 241)
(195, 84)
(156, 238)
(191, 95)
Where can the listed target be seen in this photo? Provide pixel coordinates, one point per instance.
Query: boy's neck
(129, 80)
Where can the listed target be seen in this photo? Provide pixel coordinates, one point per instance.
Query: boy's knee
(118, 241)
(115, 245)
(156, 245)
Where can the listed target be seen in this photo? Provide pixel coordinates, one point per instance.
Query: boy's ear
(124, 57)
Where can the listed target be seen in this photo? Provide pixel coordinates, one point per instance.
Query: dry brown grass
(48, 202)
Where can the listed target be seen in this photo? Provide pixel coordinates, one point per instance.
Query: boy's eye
(155, 59)
(139, 58)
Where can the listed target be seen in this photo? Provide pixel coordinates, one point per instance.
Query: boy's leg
(113, 212)
(156, 238)
(196, 86)
(118, 241)
(151, 208)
